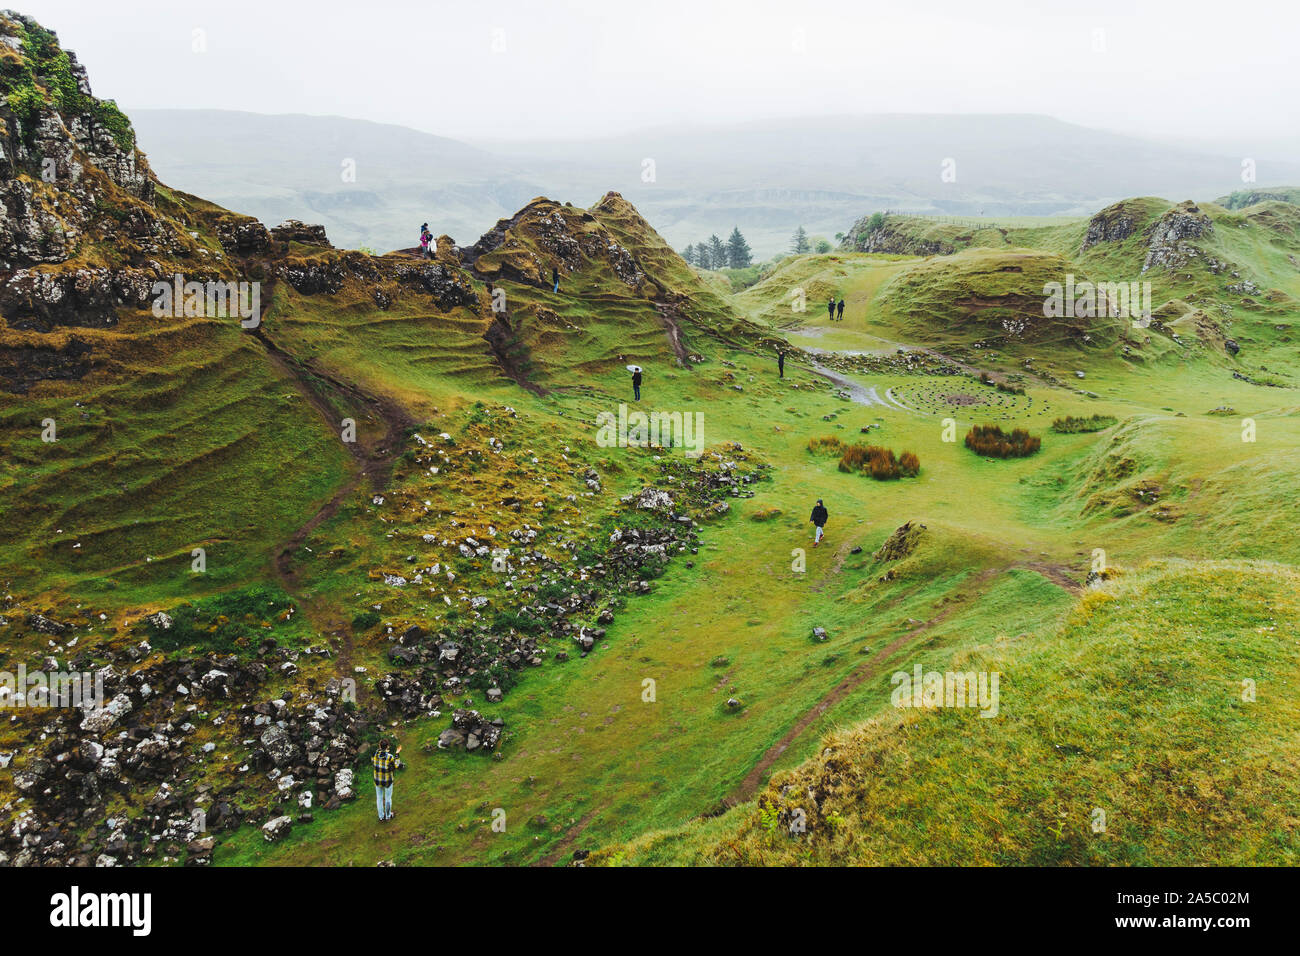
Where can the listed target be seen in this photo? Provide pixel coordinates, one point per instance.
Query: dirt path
(862, 673)
(837, 565)
(570, 838)
(1056, 573)
(672, 326)
(862, 395)
(499, 337)
(374, 464)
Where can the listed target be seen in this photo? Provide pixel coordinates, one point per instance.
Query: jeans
(817, 539)
(384, 801)
(636, 392)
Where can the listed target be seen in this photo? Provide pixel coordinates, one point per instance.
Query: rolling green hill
(389, 506)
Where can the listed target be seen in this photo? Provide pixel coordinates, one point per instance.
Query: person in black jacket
(636, 384)
(839, 310)
(819, 516)
(830, 309)
(780, 364)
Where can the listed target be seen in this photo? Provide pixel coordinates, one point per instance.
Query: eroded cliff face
(65, 156)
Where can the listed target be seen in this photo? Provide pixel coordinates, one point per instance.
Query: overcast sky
(513, 69)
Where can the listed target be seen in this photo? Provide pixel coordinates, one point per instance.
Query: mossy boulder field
(267, 501)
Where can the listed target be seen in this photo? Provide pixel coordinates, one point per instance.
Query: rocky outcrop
(1169, 238)
(60, 149)
(875, 233)
(1115, 223)
(143, 738)
(446, 284)
(243, 236)
(42, 299)
(294, 230)
(545, 236)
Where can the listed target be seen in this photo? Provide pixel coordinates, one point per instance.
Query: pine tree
(799, 241)
(717, 252)
(702, 258)
(738, 250)
(689, 255)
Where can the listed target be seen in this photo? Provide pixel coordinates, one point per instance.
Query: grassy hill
(389, 508)
(1193, 656)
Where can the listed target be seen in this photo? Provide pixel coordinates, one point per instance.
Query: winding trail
(672, 326)
(374, 464)
(860, 675)
(568, 840)
(871, 667)
(861, 394)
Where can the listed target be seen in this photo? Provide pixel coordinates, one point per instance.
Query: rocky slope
(241, 704)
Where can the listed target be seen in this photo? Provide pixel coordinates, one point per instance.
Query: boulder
(276, 829)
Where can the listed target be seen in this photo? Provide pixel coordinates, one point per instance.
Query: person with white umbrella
(636, 381)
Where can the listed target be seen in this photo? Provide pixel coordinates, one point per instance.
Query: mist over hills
(765, 177)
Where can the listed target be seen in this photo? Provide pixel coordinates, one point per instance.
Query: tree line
(714, 253)
(801, 242)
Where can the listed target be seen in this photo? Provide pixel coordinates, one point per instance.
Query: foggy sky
(483, 70)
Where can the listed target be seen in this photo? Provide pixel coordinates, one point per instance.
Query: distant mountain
(765, 177)
(370, 184)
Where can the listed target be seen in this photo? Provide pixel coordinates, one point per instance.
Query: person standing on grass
(839, 310)
(385, 763)
(830, 309)
(780, 363)
(636, 384)
(819, 516)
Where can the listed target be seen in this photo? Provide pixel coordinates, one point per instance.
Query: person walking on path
(636, 384)
(385, 763)
(830, 309)
(780, 364)
(839, 309)
(819, 516)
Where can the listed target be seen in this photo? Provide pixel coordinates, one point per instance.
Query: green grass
(186, 436)
(1154, 728)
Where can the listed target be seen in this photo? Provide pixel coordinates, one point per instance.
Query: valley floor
(592, 762)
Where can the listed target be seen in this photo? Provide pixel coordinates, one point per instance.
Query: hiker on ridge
(819, 516)
(384, 763)
(839, 309)
(425, 237)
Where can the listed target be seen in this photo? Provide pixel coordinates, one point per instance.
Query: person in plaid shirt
(384, 764)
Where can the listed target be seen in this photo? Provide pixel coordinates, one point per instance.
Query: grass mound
(901, 543)
(992, 442)
(993, 294)
(1070, 425)
(1107, 749)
